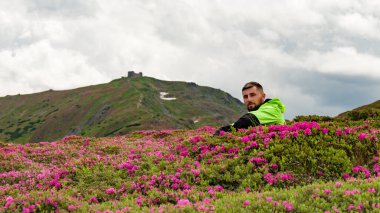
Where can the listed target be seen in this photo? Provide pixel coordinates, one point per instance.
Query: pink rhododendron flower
(338, 184)
(175, 186)
(352, 193)
(376, 168)
(110, 191)
(350, 207)
(258, 160)
(71, 208)
(9, 201)
(201, 208)
(371, 190)
(327, 191)
(197, 164)
(348, 192)
(307, 132)
(345, 176)
(139, 201)
(210, 190)
(254, 144)
(245, 139)
(183, 202)
(55, 183)
(366, 172)
(270, 179)
(195, 139)
(184, 153)
(285, 177)
(206, 201)
(94, 200)
(131, 168)
(274, 166)
(219, 188)
(338, 132)
(375, 159)
(347, 131)
(356, 169)
(362, 136)
(195, 172)
(29, 209)
(288, 206)
(50, 201)
(233, 151)
(246, 203)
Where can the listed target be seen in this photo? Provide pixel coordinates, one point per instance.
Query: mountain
(121, 106)
(362, 112)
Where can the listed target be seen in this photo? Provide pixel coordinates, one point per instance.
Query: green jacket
(270, 112)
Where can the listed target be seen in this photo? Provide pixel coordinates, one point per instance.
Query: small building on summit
(132, 74)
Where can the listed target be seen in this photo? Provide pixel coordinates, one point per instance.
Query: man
(261, 111)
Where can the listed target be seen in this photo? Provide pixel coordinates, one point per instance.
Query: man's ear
(264, 95)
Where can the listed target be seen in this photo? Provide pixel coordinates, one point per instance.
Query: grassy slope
(373, 107)
(121, 106)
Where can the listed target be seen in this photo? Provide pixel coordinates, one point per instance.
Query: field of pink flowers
(300, 167)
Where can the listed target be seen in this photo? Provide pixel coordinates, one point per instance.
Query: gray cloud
(316, 56)
(336, 90)
(62, 8)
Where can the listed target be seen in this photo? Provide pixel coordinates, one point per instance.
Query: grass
(63, 111)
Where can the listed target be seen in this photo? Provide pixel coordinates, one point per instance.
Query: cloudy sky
(317, 56)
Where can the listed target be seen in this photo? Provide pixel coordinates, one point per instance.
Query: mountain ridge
(121, 106)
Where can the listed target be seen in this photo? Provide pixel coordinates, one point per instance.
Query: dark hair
(253, 84)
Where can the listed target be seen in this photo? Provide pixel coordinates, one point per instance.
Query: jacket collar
(266, 100)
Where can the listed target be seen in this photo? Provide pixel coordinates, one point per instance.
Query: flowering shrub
(307, 166)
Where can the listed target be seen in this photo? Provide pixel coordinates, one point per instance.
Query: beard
(251, 107)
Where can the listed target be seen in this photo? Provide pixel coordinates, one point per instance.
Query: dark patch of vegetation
(112, 150)
(20, 121)
(316, 118)
(362, 115)
(14, 135)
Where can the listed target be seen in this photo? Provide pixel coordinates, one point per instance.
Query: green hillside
(362, 112)
(121, 106)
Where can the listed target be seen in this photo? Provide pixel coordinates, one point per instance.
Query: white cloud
(40, 66)
(70, 43)
(359, 25)
(344, 61)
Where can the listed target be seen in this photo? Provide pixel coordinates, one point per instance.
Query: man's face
(253, 97)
